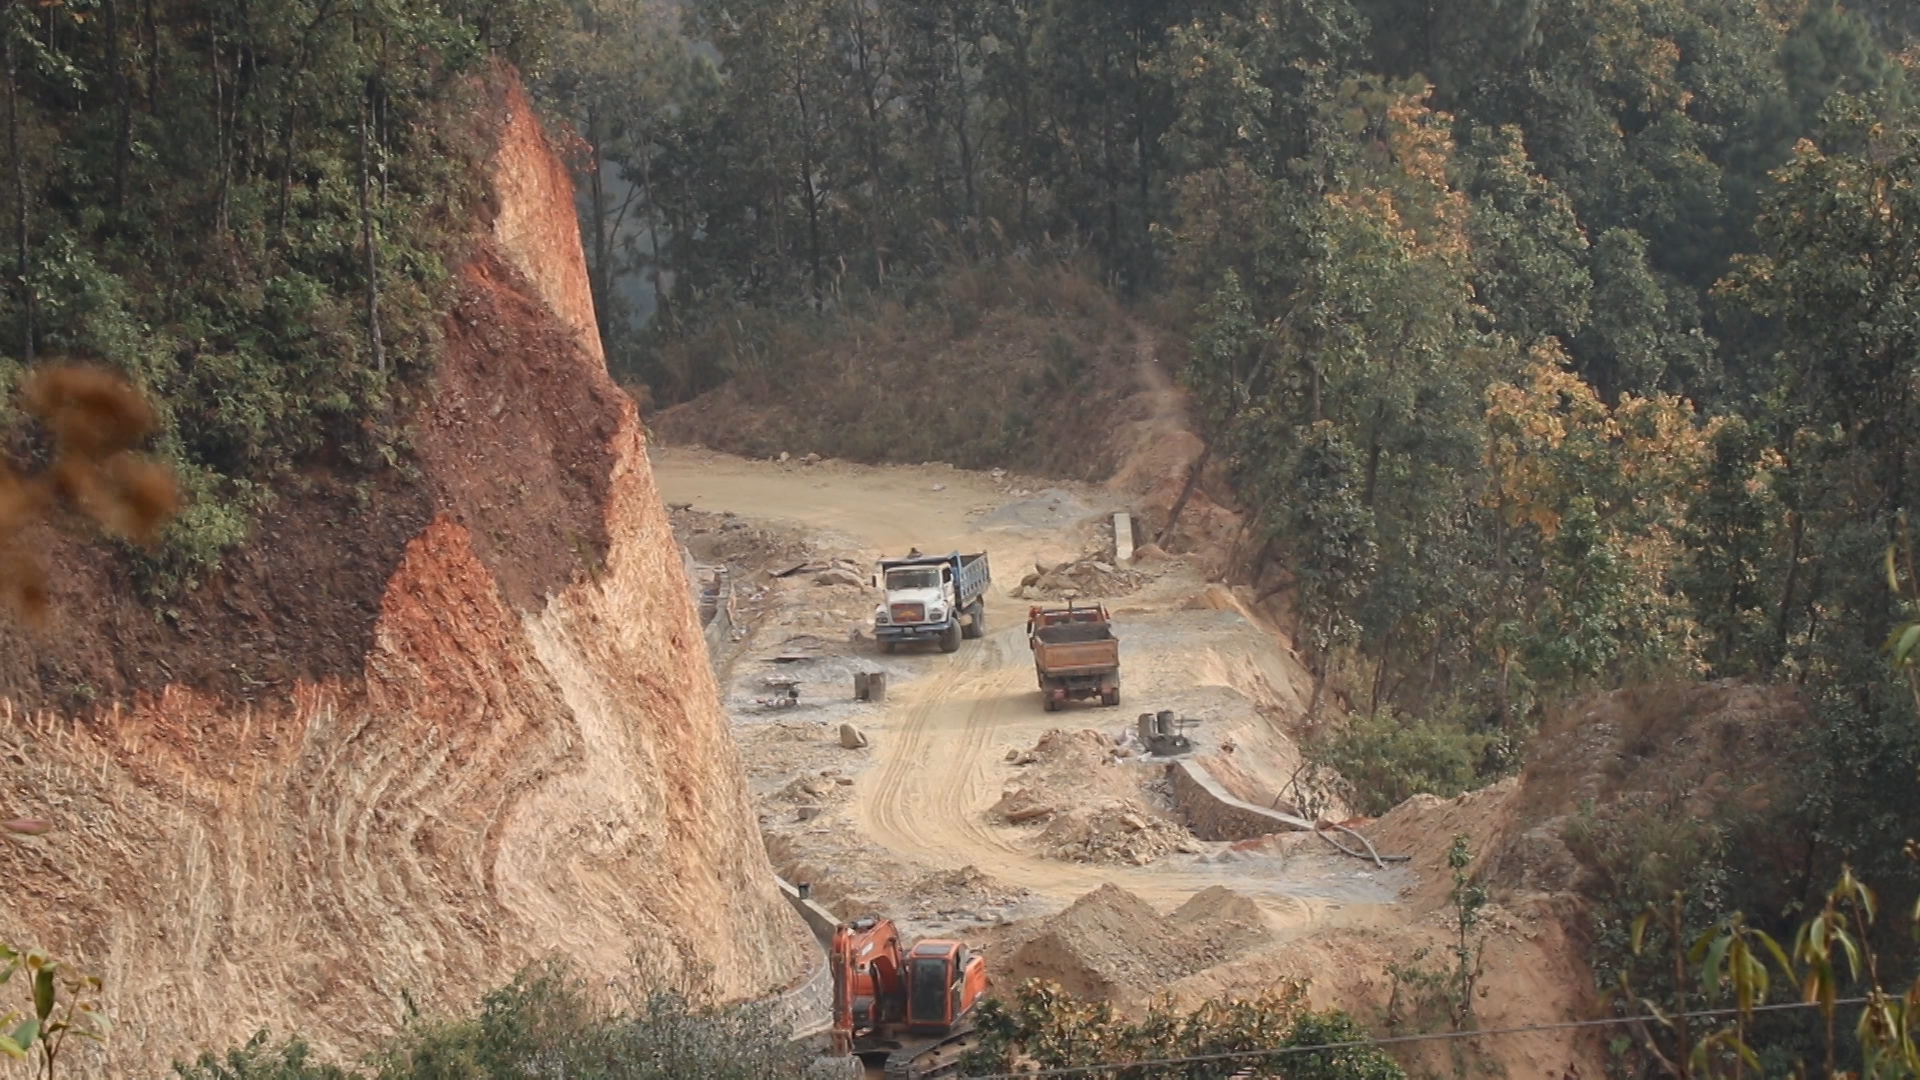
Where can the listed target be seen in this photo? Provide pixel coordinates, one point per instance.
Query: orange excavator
(912, 1006)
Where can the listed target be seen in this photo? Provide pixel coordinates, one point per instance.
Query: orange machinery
(913, 1005)
(1075, 654)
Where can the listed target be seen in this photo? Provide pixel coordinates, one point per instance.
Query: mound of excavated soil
(965, 887)
(1425, 825)
(743, 545)
(1044, 511)
(1123, 831)
(1095, 809)
(1065, 768)
(1110, 945)
(1085, 578)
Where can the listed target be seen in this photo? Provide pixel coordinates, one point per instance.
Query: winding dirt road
(937, 752)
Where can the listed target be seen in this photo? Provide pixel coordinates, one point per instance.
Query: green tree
(1529, 251)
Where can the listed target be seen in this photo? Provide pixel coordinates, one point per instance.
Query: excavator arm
(866, 964)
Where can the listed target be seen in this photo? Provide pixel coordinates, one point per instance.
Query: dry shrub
(94, 420)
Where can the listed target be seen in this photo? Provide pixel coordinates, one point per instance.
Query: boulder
(852, 738)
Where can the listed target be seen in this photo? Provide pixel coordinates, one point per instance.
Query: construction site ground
(1049, 839)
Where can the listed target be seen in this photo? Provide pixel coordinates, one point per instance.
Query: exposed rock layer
(526, 755)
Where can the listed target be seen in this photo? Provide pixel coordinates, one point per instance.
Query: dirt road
(907, 826)
(939, 748)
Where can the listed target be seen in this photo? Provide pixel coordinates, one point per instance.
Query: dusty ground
(1046, 838)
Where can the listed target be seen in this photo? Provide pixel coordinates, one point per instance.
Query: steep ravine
(520, 751)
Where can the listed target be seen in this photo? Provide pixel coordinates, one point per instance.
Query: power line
(1279, 1051)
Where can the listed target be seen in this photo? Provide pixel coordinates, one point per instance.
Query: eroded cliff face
(530, 758)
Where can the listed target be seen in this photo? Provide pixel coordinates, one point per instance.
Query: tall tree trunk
(812, 193)
(661, 306)
(1186, 492)
(880, 212)
(286, 173)
(123, 102)
(153, 61)
(367, 237)
(600, 264)
(222, 141)
(1373, 472)
(1026, 133)
(23, 268)
(1109, 171)
(1143, 150)
(1785, 621)
(963, 136)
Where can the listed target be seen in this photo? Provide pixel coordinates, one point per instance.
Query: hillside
(425, 731)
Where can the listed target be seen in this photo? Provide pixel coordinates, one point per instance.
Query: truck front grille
(908, 613)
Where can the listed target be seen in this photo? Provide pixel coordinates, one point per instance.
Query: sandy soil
(917, 824)
(922, 794)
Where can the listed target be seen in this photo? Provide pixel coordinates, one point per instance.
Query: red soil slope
(477, 725)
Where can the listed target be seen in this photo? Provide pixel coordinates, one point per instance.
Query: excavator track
(931, 1059)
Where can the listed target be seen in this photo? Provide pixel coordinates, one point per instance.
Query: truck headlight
(935, 614)
(879, 616)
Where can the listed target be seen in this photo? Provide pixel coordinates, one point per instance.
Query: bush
(259, 1061)
(1387, 760)
(544, 1025)
(1045, 1027)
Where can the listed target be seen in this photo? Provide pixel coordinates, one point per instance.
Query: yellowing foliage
(1550, 437)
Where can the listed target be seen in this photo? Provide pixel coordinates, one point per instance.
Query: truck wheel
(950, 641)
(888, 647)
(976, 620)
(1048, 702)
(1110, 697)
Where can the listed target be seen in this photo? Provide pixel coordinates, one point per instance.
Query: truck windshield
(917, 577)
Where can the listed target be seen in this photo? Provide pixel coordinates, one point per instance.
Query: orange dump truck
(1075, 655)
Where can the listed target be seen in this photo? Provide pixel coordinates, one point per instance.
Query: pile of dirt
(1093, 807)
(1064, 769)
(1110, 945)
(1122, 831)
(967, 894)
(1425, 825)
(1085, 578)
(1049, 510)
(744, 546)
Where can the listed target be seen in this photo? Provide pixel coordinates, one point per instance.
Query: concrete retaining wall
(818, 919)
(1211, 813)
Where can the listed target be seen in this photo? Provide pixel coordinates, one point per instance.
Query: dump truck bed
(1076, 649)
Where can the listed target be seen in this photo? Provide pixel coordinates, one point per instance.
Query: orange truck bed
(1075, 654)
(1091, 654)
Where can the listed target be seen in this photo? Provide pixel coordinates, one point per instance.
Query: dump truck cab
(937, 598)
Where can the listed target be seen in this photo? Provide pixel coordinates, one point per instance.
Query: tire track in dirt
(927, 798)
(931, 799)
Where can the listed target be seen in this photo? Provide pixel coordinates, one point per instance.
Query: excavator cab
(898, 1001)
(944, 979)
